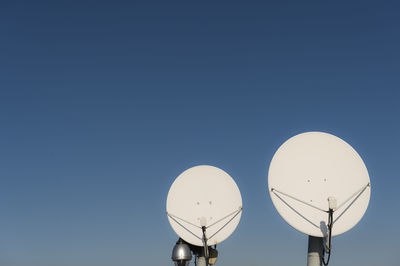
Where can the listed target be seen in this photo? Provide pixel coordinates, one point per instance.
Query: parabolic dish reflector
(204, 196)
(308, 169)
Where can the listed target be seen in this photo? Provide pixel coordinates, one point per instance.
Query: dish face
(204, 196)
(308, 169)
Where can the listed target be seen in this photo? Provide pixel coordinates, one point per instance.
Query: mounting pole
(315, 251)
(201, 261)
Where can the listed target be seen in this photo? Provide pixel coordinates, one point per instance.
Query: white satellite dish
(204, 197)
(310, 168)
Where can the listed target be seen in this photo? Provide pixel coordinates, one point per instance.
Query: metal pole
(315, 251)
(201, 261)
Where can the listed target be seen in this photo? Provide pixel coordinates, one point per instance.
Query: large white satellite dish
(204, 199)
(310, 168)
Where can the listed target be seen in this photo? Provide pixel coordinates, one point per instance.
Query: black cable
(205, 250)
(330, 225)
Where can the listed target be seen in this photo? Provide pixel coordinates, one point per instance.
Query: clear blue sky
(104, 103)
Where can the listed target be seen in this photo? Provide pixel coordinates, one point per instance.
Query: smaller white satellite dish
(204, 197)
(314, 172)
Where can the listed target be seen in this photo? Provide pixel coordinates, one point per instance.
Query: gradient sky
(104, 103)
